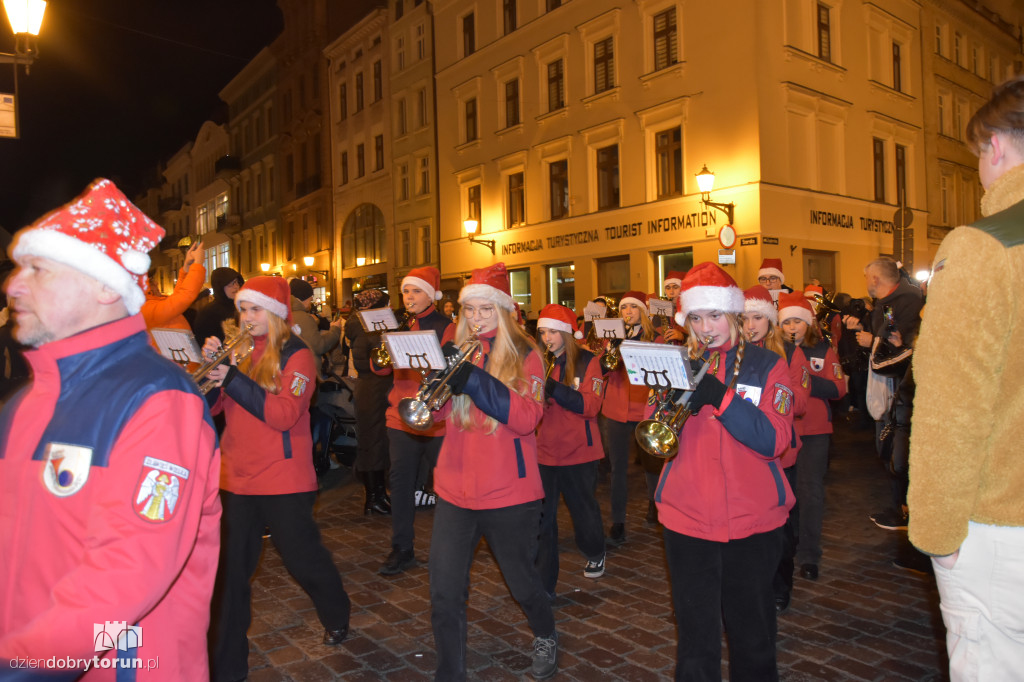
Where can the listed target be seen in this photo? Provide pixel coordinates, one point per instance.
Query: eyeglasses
(765, 280)
(485, 312)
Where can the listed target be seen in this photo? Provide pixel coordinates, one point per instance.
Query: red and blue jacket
(726, 483)
(267, 445)
(568, 433)
(800, 382)
(109, 512)
(827, 383)
(623, 401)
(478, 469)
(407, 381)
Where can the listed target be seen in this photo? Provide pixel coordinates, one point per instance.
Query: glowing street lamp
(471, 226)
(26, 18)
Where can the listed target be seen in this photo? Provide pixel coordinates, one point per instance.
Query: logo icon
(115, 634)
(66, 469)
(160, 484)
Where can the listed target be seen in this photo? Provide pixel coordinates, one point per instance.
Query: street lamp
(265, 267)
(308, 262)
(26, 18)
(471, 227)
(706, 182)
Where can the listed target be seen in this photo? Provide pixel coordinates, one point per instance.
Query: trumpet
(659, 435)
(381, 356)
(610, 361)
(549, 362)
(434, 390)
(241, 344)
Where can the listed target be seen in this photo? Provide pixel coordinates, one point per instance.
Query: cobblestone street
(862, 620)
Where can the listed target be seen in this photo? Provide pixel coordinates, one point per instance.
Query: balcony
(307, 186)
(229, 224)
(169, 204)
(227, 167)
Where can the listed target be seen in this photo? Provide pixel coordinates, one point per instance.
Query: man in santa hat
(109, 515)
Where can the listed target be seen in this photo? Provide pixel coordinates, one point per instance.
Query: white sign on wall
(8, 124)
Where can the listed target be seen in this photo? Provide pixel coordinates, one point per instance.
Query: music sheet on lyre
(415, 350)
(177, 344)
(656, 365)
(613, 328)
(378, 319)
(657, 307)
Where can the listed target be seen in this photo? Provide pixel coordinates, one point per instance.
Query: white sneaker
(594, 569)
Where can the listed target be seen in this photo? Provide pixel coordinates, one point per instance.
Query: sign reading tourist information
(847, 221)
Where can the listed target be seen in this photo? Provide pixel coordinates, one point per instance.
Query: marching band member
(672, 332)
(623, 409)
(410, 448)
(814, 427)
(723, 499)
(267, 475)
(760, 324)
(487, 480)
(569, 445)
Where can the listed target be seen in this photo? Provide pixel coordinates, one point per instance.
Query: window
(287, 105)
(666, 39)
(399, 9)
(424, 180)
(421, 50)
(473, 202)
(400, 52)
(468, 35)
(378, 152)
(403, 248)
(516, 200)
(289, 171)
(403, 181)
(944, 197)
(943, 111)
(558, 176)
(359, 92)
(556, 86)
(677, 261)
(604, 65)
(608, 177)
(519, 287)
(360, 161)
(509, 15)
(901, 175)
(344, 168)
(512, 103)
(824, 32)
(402, 116)
(363, 236)
(957, 45)
(975, 61)
(378, 82)
(938, 39)
(421, 108)
(470, 119)
(613, 276)
(425, 245)
(897, 66)
(879, 165)
(562, 285)
(668, 150)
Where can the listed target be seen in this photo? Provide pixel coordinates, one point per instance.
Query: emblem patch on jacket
(752, 394)
(66, 468)
(782, 401)
(817, 364)
(598, 385)
(537, 388)
(299, 383)
(156, 495)
(837, 370)
(805, 377)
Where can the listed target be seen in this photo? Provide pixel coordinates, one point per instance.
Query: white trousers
(983, 605)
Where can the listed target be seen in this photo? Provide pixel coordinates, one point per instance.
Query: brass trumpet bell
(657, 439)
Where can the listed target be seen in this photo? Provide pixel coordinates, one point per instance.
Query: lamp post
(706, 182)
(308, 262)
(471, 226)
(26, 18)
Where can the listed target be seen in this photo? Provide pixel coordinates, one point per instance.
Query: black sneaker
(890, 520)
(545, 657)
(594, 569)
(616, 535)
(398, 561)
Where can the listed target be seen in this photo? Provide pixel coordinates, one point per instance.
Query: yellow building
(573, 132)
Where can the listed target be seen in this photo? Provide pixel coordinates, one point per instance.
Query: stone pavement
(862, 620)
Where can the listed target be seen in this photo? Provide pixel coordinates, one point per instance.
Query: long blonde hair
(268, 368)
(774, 340)
(505, 362)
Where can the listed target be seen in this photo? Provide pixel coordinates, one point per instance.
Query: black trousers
(577, 483)
(783, 583)
(297, 538)
(730, 581)
(511, 533)
(408, 452)
(371, 402)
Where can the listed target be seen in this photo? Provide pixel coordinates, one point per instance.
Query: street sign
(770, 240)
(748, 241)
(727, 236)
(8, 119)
(726, 257)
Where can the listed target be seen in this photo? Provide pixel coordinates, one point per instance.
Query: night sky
(119, 86)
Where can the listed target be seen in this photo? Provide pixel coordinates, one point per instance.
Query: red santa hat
(101, 234)
(759, 300)
(674, 277)
(772, 266)
(270, 293)
(811, 289)
(795, 305)
(635, 297)
(426, 278)
(708, 287)
(554, 316)
(490, 284)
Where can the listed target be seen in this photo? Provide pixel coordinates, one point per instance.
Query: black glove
(549, 387)
(695, 365)
(450, 350)
(459, 377)
(710, 391)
